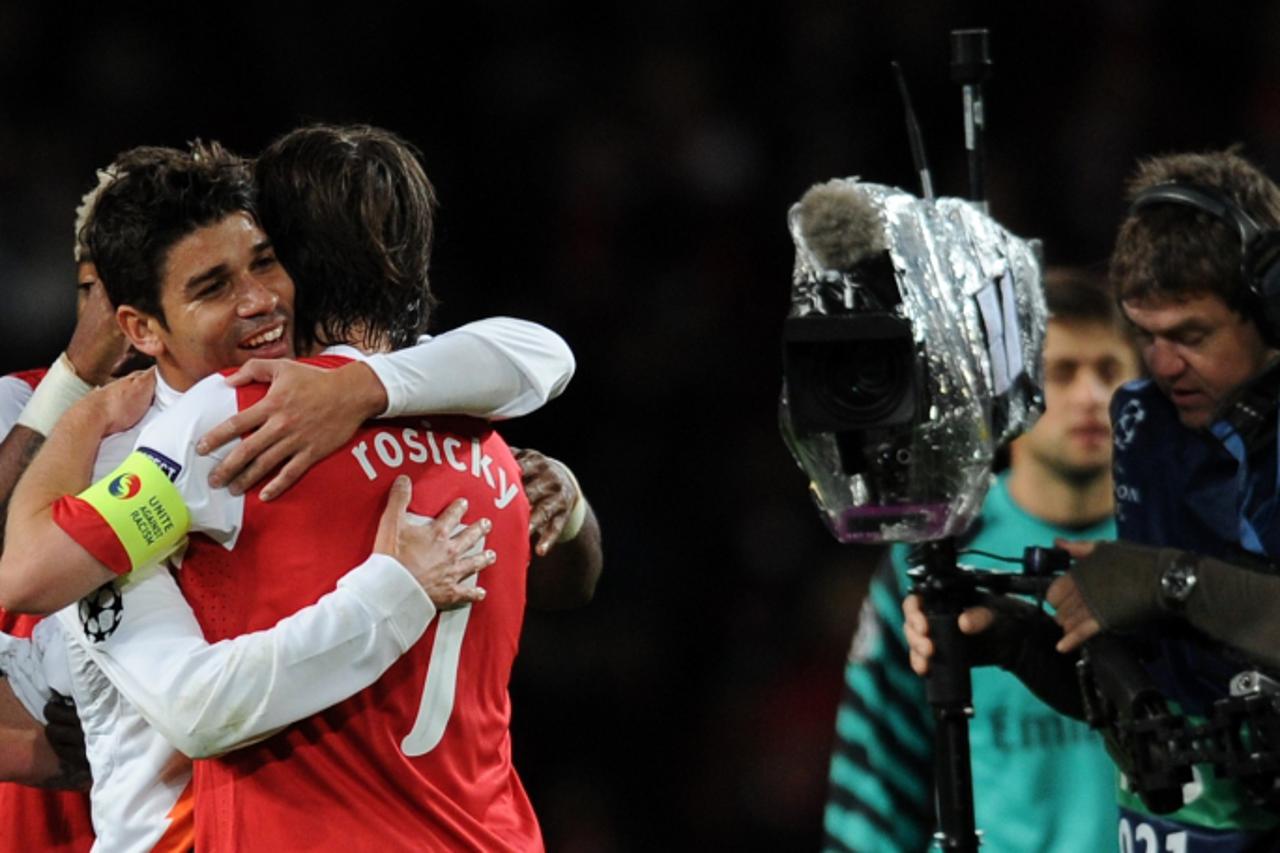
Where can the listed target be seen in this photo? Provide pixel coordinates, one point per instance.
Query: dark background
(622, 173)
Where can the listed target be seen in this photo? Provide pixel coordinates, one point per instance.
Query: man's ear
(142, 330)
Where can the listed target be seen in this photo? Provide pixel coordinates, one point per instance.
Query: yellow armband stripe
(142, 507)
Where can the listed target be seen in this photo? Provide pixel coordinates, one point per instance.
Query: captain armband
(142, 507)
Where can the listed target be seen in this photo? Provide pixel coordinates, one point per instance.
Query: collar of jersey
(344, 350)
(166, 395)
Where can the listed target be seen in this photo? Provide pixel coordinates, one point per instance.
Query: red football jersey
(35, 819)
(421, 760)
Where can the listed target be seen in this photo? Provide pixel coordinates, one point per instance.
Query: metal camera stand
(943, 589)
(946, 589)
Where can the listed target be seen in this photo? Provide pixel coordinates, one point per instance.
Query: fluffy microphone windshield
(840, 225)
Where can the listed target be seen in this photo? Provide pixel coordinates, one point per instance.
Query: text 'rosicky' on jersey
(395, 447)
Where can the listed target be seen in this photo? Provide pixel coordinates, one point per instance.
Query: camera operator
(1043, 781)
(1195, 473)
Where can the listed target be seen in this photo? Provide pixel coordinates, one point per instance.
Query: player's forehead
(1085, 340)
(223, 245)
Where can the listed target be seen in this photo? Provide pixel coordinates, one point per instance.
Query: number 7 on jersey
(442, 670)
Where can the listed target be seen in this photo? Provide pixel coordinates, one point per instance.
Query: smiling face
(1198, 350)
(224, 299)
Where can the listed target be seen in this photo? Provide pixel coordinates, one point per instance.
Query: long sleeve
(23, 668)
(14, 394)
(880, 797)
(494, 368)
(206, 698)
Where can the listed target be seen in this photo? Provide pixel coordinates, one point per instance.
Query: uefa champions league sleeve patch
(101, 612)
(170, 468)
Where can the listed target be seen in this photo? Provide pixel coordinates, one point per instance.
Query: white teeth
(264, 338)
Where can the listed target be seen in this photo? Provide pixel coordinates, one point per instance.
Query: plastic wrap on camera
(971, 309)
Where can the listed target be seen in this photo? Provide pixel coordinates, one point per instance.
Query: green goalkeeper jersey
(1042, 782)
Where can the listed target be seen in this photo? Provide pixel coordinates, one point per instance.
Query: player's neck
(174, 376)
(1054, 497)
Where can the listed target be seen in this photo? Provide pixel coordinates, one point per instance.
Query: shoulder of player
(210, 392)
(205, 405)
(19, 386)
(15, 391)
(29, 378)
(464, 427)
(335, 356)
(330, 359)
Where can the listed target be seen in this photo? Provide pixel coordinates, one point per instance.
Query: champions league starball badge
(101, 611)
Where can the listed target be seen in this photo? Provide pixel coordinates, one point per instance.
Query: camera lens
(850, 372)
(865, 381)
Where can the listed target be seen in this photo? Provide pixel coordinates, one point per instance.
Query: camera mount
(946, 589)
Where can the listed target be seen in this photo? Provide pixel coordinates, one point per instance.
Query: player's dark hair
(1080, 294)
(1176, 251)
(350, 212)
(161, 196)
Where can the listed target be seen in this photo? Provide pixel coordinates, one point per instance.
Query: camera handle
(970, 67)
(943, 589)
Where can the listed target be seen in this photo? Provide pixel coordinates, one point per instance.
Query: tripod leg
(950, 695)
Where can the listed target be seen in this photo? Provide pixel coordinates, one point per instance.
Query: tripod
(944, 588)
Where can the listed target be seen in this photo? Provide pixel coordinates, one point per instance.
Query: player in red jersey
(420, 760)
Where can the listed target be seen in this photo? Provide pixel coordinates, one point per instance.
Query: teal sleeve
(880, 792)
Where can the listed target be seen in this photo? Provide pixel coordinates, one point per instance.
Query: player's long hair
(351, 214)
(159, 197)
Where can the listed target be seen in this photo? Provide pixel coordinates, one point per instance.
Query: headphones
(1260, 247)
